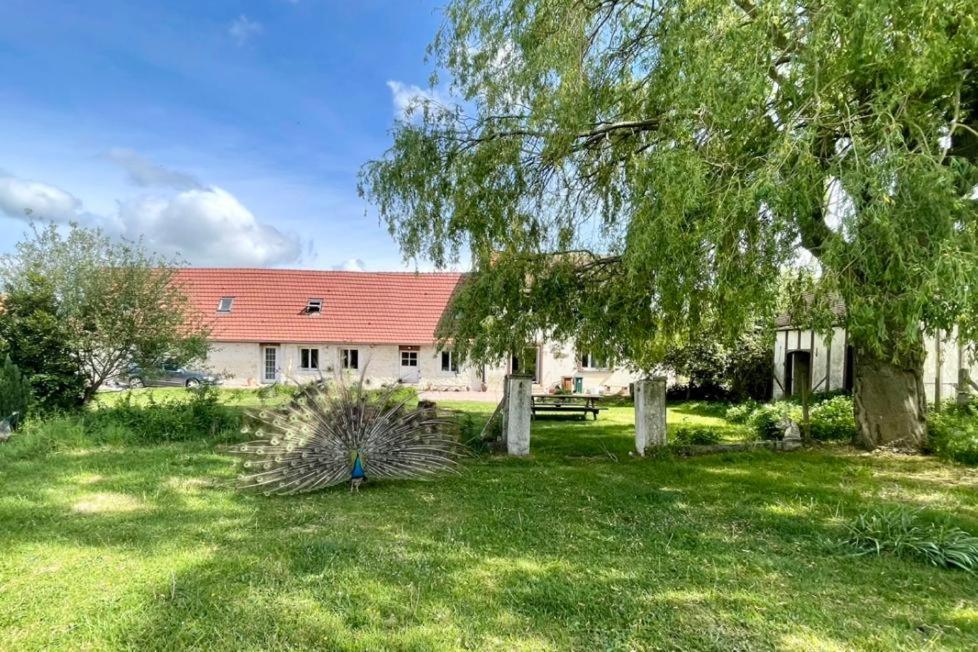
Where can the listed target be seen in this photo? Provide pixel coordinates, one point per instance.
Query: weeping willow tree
(633, 173)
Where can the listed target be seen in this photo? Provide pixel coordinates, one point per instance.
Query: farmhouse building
(297, 326)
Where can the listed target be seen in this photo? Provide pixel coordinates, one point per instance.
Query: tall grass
(904, 533)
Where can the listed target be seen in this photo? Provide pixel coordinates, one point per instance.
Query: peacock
(330, 434)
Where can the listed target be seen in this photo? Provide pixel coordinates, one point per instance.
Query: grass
(579, 546)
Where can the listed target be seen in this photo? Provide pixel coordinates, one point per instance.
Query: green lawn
(580, 546)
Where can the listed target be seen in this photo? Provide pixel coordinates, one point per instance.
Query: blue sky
(230, 132)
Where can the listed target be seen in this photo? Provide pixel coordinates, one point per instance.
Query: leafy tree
(37, 341)
(118, 304)
(635, 172)
(15, 394)
(738, 370)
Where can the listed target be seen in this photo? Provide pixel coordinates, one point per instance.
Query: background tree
(37, 341)
(117, 303)
(15, 394)
(712, 368)
(636, 172)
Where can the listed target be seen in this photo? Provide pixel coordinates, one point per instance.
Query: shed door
(798, 373)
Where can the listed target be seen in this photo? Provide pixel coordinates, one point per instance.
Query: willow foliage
(632, 173)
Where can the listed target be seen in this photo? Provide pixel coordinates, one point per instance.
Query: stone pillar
(517, 423)
(964, 386)
(650, 413)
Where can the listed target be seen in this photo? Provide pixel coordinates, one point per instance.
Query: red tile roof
(358, 307)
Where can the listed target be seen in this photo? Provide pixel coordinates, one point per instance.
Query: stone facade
(557, 361)
(241, 364)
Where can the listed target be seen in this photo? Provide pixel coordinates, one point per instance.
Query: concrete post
(650, 413)
(964, 386)
(518, 413)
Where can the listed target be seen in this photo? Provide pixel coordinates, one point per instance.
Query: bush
(15, 393)
(953, 433)
(716, 368)
(832, 420)
(172, 419)
(35, 338)
(830, 417)
(766, 419)
(741, 413)
(905, 534)
(695, 436)
(696, 392)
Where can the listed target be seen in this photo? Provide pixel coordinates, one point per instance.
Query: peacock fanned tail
(327, 436)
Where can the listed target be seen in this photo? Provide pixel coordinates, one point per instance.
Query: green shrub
(741, 413)
(15, 393)
(832, 419)
(903, 533)
(766, 419)
(953, 433)
(36, 338)
(171, 419)
(695, 436)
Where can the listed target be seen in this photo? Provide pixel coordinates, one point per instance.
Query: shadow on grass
(558, 550)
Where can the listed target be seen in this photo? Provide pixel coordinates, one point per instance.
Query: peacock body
(328, 435)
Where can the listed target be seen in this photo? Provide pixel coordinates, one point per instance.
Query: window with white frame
(224, 305)
(349, 358)
(448, 361)
(409, 358)
(308, 359)
(588, 360)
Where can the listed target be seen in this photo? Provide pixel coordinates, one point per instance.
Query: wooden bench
(582, 404)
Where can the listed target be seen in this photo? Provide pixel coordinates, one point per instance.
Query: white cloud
(205, 226)
(242, 29)
(408, 98)
(23, 199)
(145, 173)
(351, 265)
(208, 227)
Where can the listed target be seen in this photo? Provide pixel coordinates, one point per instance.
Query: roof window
(224, 305)
(314, 307)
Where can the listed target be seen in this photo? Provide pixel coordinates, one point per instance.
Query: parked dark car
(171, 375)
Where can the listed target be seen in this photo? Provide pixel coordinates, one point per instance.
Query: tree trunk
(889, 403)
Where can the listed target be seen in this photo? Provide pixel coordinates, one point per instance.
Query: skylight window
(224, 305)
(314, 307)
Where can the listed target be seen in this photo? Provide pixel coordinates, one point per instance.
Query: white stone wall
(558, 360)
(468, 377)
(240, 364)
(561, 360)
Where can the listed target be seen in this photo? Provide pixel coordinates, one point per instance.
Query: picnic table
(583, 404)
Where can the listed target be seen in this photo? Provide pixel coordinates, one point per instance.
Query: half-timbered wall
(829, 361)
